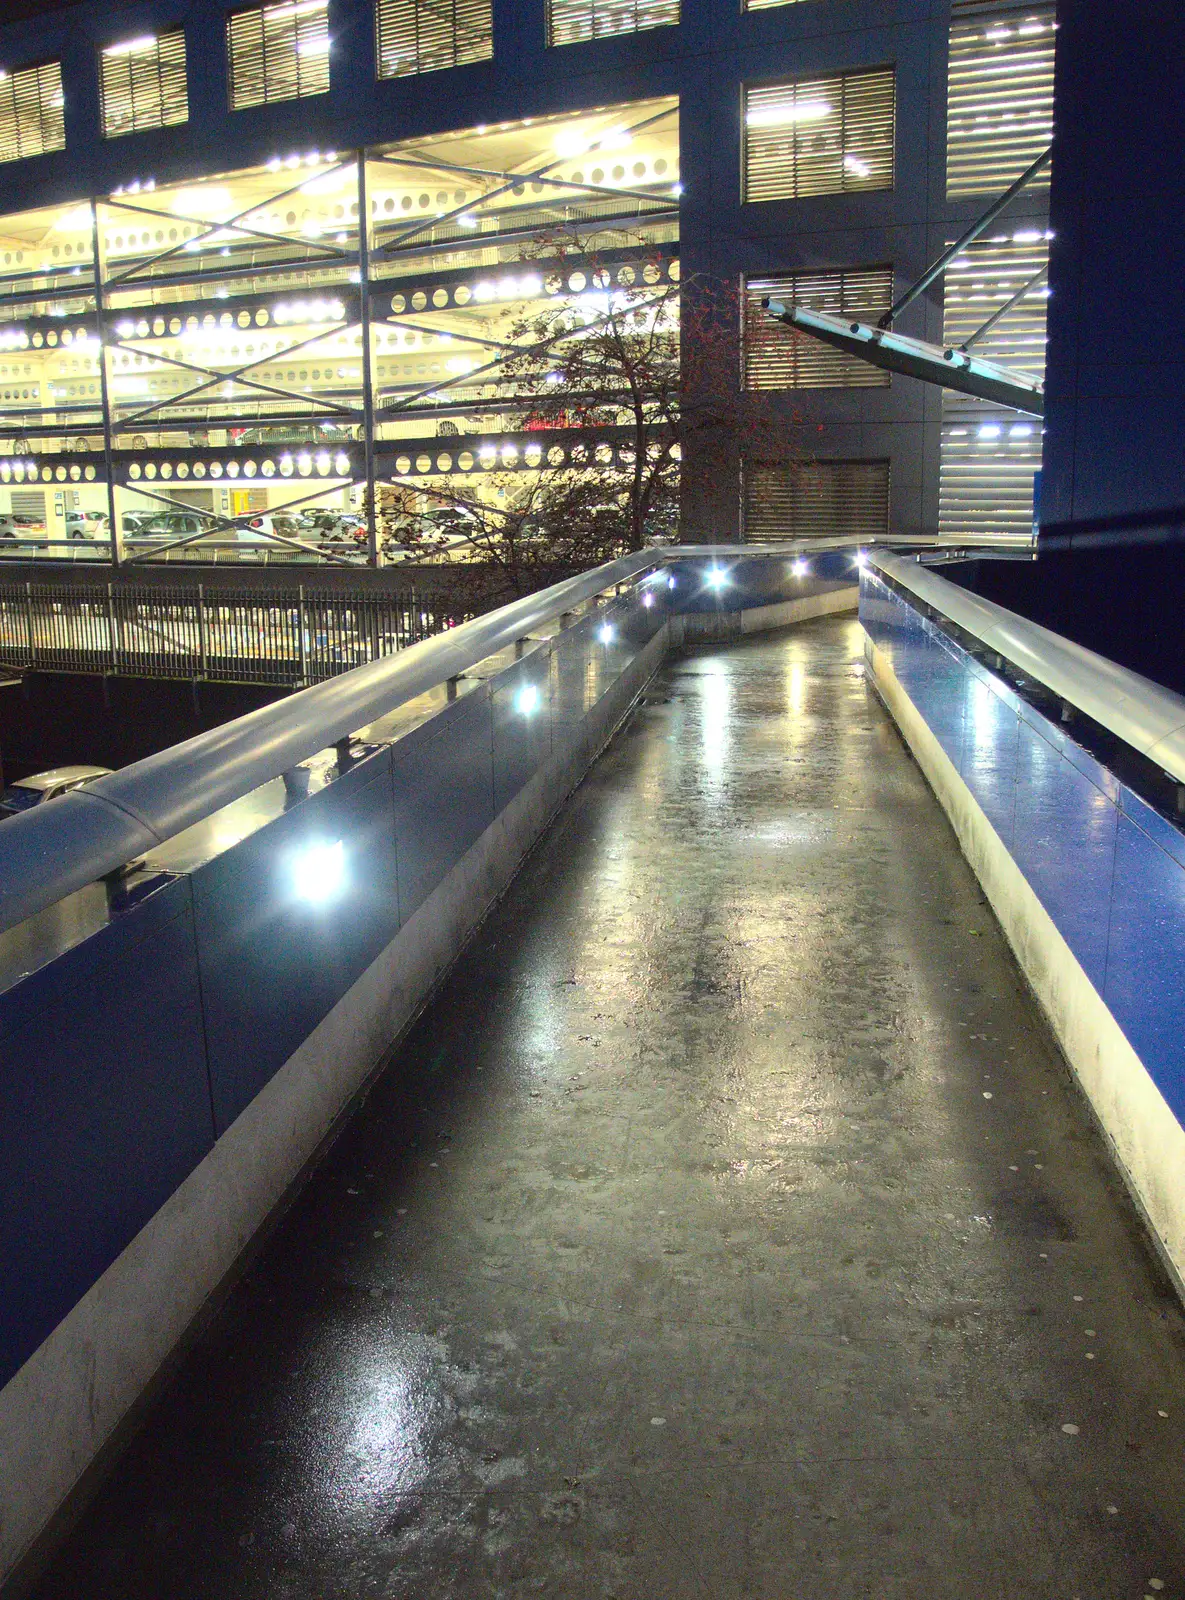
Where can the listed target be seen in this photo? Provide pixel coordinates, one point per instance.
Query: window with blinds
(278, 52)
(999, 105)
(142, 83)
(428, 35)
(570, 21)
(988, 455)
(32, 120)
(819, 135)
(815, 500)
(779, 357)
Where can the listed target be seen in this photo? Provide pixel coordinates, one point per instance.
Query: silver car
(42, 786)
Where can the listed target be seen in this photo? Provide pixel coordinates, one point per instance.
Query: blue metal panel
(521, 706)
(105, 1106)
(1064, 843)
(443, 781)
(941, 693)
(1168, 836)
(1145, 985)
(570, 687)
(274, 960)
(988, 765)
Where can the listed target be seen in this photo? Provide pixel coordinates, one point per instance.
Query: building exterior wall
(705, 61)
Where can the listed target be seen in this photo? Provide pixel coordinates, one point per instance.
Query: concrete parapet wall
(1140, 1126)
(68, 1401)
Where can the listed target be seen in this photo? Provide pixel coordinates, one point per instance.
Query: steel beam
(951, 369)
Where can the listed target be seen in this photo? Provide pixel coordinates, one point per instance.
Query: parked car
(27, 530)
(43, 786)
(132, 521)
(86, 525)
(172, 525)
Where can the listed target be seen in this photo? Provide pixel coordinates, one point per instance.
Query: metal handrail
(1149, 718)
(52, 851)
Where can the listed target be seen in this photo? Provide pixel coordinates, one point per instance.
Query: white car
(86, 525)
(43, 786)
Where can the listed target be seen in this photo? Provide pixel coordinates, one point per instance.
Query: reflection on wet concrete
(728, 1227)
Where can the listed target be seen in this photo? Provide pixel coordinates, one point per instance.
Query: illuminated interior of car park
(267, 359)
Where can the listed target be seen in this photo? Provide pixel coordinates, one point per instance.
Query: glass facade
(273, 363)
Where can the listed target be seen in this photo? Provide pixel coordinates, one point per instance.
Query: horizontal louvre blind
(427, 35)
(143, 84)
(999, 111)
(816, 500)
(982, 280)
(569, 21)
(820, 135)
(31, 117)
(985, 479)
(29, 503)
(779, 357)
(988, 455)
(278, 52)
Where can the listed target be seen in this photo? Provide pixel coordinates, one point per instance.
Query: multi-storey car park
(265, 258)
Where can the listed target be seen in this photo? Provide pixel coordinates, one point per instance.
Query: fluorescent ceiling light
(780, 116)
(133, 47)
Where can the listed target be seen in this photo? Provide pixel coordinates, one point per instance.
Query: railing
(1147, 718)
(52, 851)
(284, 637)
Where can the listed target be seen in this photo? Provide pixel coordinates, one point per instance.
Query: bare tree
(614, 389)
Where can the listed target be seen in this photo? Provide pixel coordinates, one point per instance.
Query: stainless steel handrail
(52, 851)
(1149, 718)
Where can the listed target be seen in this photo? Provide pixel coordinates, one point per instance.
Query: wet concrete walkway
(728, 1227)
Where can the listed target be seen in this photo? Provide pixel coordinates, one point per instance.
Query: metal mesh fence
(284, 636)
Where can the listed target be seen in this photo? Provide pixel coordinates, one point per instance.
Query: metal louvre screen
(570, 21)
(999, 109)
(31, 116)
(988, 454)
(278, 52)
(143, 84)
(778, 357)
(428, 35)
(815, 500)
(820, 135)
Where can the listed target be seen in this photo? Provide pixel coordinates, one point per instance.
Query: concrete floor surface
(728, 1227)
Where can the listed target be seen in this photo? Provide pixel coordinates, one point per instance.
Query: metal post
(29, 620)
(998, 316)
(104, 395)
(972, 233)
(302, 648)
(203, 631)
(113, 628)
(372, 535)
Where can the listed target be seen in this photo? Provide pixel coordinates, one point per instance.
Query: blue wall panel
(1107, 867)
(988, 764)
(1145, 986)
(1064, 843)
(273, 962)
(105, 1107)
(442, 776)
(521, 710)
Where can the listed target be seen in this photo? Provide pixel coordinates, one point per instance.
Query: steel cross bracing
(509, 182)
(539, 347)
(219, 524)
(231, 226)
